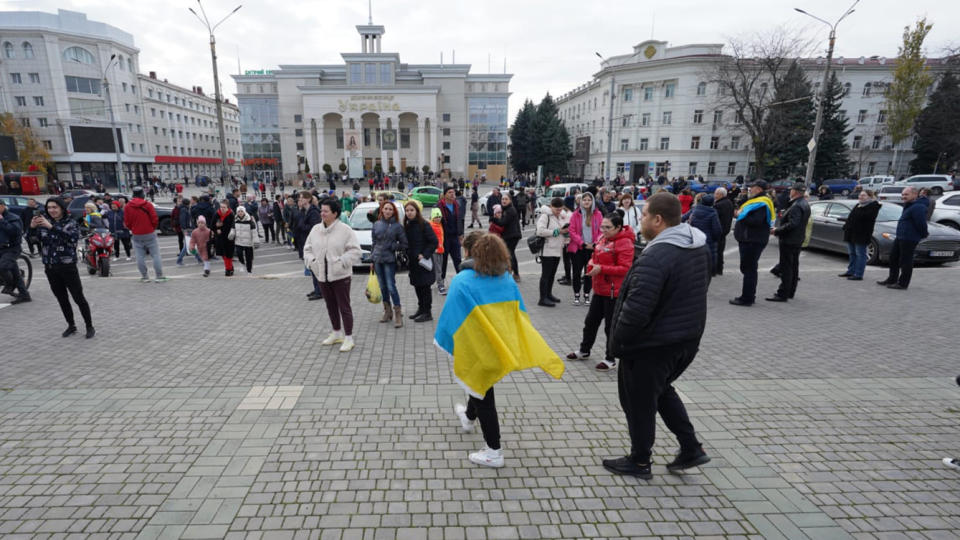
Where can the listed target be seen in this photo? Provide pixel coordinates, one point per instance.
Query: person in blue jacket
(704, 217)
(911, 229)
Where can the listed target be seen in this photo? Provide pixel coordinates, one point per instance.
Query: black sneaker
(424, 317)
(90, 332)
(71, 330)
(7, 290)
(19, 299)
(688, 460)
(564, 281)
(626, 466)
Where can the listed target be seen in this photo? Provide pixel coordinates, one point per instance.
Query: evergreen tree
(937, 144)
(552, 146)
(789, 125)
(522, 151)
(833, 160)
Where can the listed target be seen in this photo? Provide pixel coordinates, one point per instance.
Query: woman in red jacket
(608, 266)
(686, 200)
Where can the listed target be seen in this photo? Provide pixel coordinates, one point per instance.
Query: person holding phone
(553, 226)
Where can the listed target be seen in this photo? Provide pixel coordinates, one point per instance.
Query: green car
(428, 195)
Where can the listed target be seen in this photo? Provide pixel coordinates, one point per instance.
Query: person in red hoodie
(140, 217)
(608, 265)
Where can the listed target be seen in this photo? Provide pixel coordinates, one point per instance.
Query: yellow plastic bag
(373, 289)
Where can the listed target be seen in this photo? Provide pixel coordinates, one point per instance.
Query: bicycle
(25, 268)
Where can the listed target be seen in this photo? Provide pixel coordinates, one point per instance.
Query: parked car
(876, 182)
(562, 190)
(17, 203)
(890, 193)
(398, 196)
(164, 213)
(427, 195)
(842, 186)
(947, 211)
(363, 227)
(938, 183)
(779, 186)
(942, 245)
(708, 186)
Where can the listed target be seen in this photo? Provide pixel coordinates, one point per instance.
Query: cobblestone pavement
(206, 408)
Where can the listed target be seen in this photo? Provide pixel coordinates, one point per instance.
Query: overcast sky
(548, 45)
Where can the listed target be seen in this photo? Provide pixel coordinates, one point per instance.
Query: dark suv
(165, 225)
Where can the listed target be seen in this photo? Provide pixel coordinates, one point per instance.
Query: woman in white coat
(553, 226)
(330, 251)
(246, 237)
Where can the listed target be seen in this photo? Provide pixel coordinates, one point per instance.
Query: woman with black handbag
(510, 221)
(552, 226)
(422, 243)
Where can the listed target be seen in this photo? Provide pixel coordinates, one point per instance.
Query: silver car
(947, 211)
(942, 245)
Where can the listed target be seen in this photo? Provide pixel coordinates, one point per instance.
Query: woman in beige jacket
(330, 251)
(553, 226)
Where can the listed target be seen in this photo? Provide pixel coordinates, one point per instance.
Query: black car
(164, 214)
(16, 203)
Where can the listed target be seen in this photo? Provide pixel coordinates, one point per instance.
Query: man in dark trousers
(911, 229)
(791, 232)
(659, 319)
(452, 234)
(752, 231)
(724, 207)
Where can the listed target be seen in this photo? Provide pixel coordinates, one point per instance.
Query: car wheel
(845, 193)
(166, 227)
(936, 191)
(873, 252)
(950, 224)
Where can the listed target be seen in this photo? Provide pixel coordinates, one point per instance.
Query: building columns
(382, 120)
(433, 145)
(421, 143)
(308, 146)
(395, 121)
(318, 143)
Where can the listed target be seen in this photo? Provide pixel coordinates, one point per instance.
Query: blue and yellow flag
(758, 203)
(485, 327)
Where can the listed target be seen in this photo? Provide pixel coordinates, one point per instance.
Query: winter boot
(387, 313)
(397, 317)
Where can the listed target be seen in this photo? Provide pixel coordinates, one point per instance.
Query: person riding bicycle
(11, 231)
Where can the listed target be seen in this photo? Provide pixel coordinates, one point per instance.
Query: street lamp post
(113, 122)
(811, 160)
(613, 82)
(216, 83)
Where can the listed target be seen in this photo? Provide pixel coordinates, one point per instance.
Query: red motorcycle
(97, 250)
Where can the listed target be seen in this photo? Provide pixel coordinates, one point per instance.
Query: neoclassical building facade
(373, 110)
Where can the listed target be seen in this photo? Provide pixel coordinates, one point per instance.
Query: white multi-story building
(439, 115)
(667, 118)
(55, 70)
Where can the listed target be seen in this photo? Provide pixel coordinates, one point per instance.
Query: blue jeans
(858, 259)
(186, 249)
(387, 277)
(143, 243)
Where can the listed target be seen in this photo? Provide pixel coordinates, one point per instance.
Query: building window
(21, 101)
(385, 74)
(857, 142)
(669, 90)
(648, 93)
(298, 119)
(25, 122)
(866, 90)
(732, 168)
(667, 118)
(42, 122)
(156, 130)
(370, 73)
(695, 143)
(735, 143)
(130, 64)
(846, 89)
(624, 145)
(871, 167)
(27, 50)
(127, 105)
(698, 116)
(738, 118)
(446, 145)
(842, 114)
(446, 159)
(35, 78)
(862, 116)
(82, 85)
(664, 143)
(404, 137)
(445, 132)
(625, 121)
(702, 89)
(356, 74)
(339, 137)
(645, 119)
(717, 118)
(628, 94)
(692, 169)
(714, 143)
(299, 146)
(15, 78)
(644, 144)
(446, 117)
(79, 54)
(877, 139)
(882, 117)
(48, 145)
(8, 51)
(712, 168)
(298, 132)
(150, 92)
(38, 101)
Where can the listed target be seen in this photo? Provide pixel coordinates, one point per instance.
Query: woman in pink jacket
(584, 234)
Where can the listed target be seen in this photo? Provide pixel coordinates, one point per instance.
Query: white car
(937, 183)
(876, 182)
(562, 190)
(890, 193)
(363, 228)
(947, 210)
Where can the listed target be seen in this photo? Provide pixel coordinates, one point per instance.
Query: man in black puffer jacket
(659, 319)
(791, 231)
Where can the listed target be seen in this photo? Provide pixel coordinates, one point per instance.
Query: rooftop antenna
(238, 60)
(454, 59)
(441, 58)
(504, 65)
(488, 63)
(370, 11)
(653, 22)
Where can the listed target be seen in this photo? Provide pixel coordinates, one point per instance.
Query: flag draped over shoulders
(485, 327)
(761, 203)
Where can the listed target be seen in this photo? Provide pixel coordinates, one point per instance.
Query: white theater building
(375, 110)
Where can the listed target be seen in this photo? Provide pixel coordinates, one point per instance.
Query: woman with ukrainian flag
(754, 221)
(485, 327)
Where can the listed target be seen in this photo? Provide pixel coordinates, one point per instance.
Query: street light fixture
(811, 160)
(613, 82)
(216, 82)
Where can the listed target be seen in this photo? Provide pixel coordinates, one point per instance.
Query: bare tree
(748, 79)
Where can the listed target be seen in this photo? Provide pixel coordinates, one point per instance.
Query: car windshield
(889, 212)
(358, 219)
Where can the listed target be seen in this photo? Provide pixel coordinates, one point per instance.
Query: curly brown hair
(490, 255)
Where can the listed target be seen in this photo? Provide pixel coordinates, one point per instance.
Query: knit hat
(436, 213)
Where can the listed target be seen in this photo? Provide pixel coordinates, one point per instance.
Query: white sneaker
(461, 410)
(488, 457)
(347, 344)
(334, 337)
(953, 463)
(128, 258)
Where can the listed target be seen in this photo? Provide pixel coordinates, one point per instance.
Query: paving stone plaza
(207, 408)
